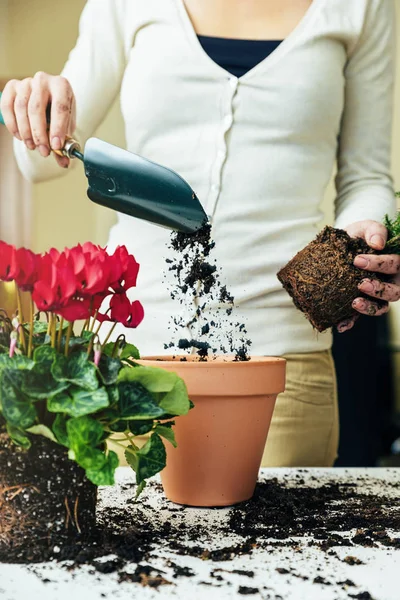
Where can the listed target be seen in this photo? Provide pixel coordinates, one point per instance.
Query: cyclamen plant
(69, 387)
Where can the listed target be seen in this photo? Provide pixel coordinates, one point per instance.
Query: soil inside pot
(322, 280)
(197, 284)
(45, 498)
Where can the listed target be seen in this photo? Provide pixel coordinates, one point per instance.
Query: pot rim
(229, 361)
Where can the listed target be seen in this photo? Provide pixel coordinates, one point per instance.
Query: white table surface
(379, 575)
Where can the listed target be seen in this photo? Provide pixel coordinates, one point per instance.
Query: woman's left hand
(375, 234)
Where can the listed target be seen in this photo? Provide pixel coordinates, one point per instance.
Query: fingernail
(44, 150)
(377, 240)
(30, 144)
(56, 143)
(361, 261)
(359, 303)
(343, 326)
(366, 285)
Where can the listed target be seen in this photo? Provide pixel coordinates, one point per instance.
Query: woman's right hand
(24, 104)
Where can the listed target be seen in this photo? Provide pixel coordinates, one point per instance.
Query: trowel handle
(71, 148)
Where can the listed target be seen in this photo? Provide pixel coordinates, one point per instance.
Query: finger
(369, 308)
(376, 235)
(7, 108)
(389, 292)
(62, 161)
(347, 324)
(384, 263)
(21, 112)
(61, 109)
(37, 113)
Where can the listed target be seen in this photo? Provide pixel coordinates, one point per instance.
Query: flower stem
(94, 320)
(69, 333)
(30, 343)
(109, 334)
(20, 317)
(60, 334)
(86, 324)
(53, 330)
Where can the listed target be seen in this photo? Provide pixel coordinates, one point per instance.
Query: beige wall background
(37, 35)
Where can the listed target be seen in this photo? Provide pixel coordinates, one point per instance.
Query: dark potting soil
(197, 284)
(325, 516)
(322, 280)
(44, 496)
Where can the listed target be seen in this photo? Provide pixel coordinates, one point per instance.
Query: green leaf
(43, 431)
(17, 409)
(113, 394)
(149, 460)
(167, 433)
(38, 383)
(105, 475)
(152, 378)
(18, 362)
(109, 369)
(60, 430)
(129, 351)
(77, 402)
(136, 403)
(76, 369)
(85, 435)
(18, 436)
(140, 427)
(140, 489)
(84, 431)
(119, 426)
(44, 355)
(176, 402)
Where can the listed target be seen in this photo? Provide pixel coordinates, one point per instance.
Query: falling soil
(324, 517)
(197, 287)
(44, 496)
(322, 280)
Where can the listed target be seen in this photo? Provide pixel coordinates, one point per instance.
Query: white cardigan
(258, 150)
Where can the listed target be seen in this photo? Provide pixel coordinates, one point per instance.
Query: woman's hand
(375, 234)
(24, 104)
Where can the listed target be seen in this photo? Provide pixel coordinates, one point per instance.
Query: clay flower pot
(221, 440)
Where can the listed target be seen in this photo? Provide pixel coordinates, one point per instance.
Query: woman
(250, 102)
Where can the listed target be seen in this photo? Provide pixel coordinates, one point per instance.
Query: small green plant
(393, 227)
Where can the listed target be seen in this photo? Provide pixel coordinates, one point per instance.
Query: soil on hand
(197, 287)
(45, 498)
(322, 280)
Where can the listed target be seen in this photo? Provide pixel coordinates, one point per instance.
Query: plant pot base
(44, 497)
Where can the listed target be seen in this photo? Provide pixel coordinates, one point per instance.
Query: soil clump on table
(198, 288)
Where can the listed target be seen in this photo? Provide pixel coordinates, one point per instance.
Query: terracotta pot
(221, 441)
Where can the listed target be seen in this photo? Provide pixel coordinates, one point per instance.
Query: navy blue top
(237, 56)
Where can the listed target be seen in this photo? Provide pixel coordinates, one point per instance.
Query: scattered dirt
(324, 516)
(197, 287)
(322, 280)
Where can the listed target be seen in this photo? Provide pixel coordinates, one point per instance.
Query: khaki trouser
(304, 430)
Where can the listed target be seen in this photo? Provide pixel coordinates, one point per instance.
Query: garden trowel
(138, 187)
